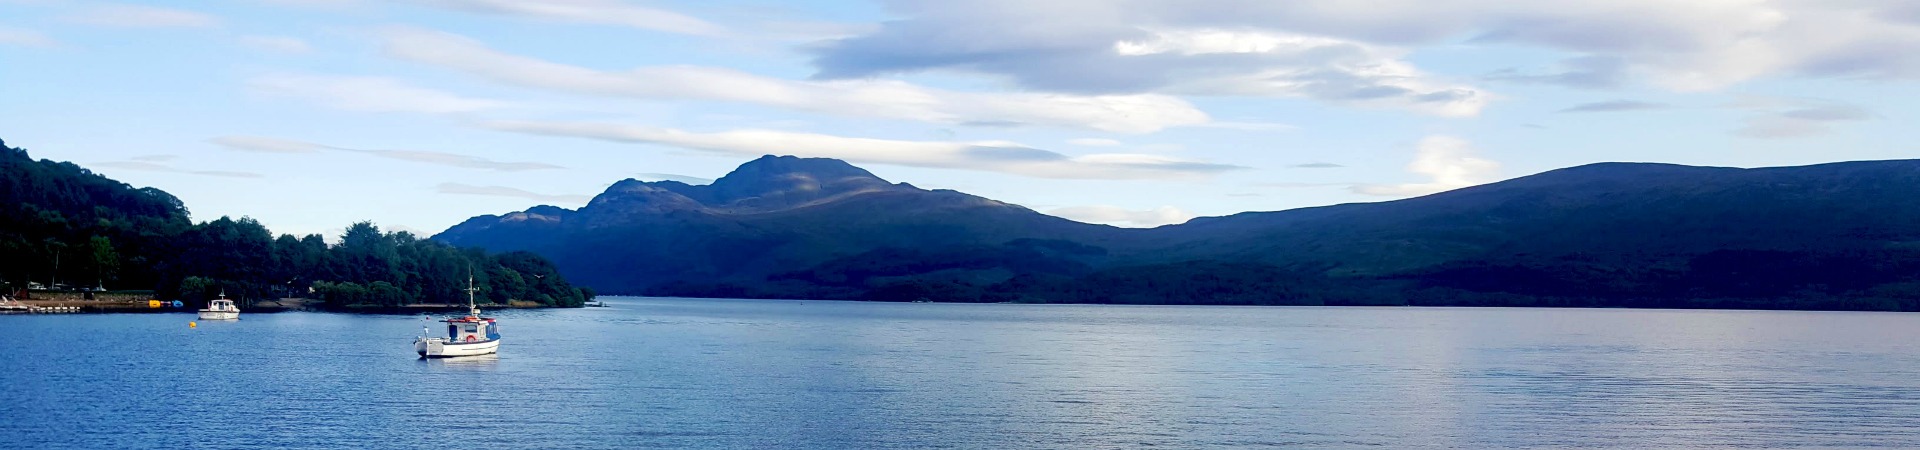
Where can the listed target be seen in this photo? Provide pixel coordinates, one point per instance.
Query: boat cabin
(472, 329)
(221, 305)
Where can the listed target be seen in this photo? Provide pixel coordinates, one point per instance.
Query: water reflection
(486, 362)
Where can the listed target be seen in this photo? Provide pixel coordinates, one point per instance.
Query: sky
(308, 115)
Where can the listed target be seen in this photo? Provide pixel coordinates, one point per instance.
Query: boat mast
(472, 308)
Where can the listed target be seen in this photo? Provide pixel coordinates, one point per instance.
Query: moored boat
(466, 336)
(220, 309)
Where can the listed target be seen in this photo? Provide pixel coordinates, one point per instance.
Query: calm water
(766, 374)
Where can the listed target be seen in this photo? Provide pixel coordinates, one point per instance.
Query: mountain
(772, 215)
(1613, 210)
(1833, 236)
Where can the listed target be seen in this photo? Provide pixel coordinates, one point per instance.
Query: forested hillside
(63, 226)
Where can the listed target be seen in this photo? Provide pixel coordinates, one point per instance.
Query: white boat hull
(219, 315)
(442, 348)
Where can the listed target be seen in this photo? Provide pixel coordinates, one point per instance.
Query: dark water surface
(772, 374)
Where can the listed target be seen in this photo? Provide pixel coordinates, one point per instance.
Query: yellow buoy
(193, 325)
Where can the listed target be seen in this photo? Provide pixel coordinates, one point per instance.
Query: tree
(106, 261)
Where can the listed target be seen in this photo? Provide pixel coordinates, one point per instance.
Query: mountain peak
(785, 181)
(771, 166)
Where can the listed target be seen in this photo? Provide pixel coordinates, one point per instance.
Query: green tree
(106, 261)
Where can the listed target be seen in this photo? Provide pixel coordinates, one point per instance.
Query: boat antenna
(472, 308)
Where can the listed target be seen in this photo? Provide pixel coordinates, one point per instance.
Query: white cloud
(275, 145)
(276, 44)
(1450, 163)
(1681, 45)
(25, 38)
(995, 156)
(1114, 215)
(137, 16)
(609, 12)
(371, 94)
(863, 98)
(1093, 142)
(1291, 65)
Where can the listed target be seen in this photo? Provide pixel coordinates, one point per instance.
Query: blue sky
(311, 114)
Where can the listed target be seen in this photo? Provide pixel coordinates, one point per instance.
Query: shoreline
(145, 306)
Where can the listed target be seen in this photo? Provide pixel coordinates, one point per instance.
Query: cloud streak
(992, 156)
(153, 166)
(1614, 106)
(23, 37)
(604, 12)
(1800, 121)
(273, 145)
(276, 44)
(858, 98)
(672, 177)
(137, 16)
(509, 192)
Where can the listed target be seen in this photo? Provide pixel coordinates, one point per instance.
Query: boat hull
(219, 315)
(441, 348)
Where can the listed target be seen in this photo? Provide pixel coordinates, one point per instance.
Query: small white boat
(8, 304)
(220, 309)
(466, 336)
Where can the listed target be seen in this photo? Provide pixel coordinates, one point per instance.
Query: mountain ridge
(781, 231)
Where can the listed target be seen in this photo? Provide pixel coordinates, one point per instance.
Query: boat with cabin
(471, 335)
(220, 309)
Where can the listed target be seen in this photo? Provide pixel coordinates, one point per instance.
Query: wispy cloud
(1249, 126)
(23, 37)
(503, 191)
(1300, 185)
(150, 166)
(1615, 106)
(1591, 72)
(1317, 165)
(1093, 142)
(995, 156)
(672, 177)
(139, 16)
(1794, 118)
(607, 12)
(881, 98)
(276, 44)
(370, 94)
(274, 145)
(1449, 162)
(1114, 215)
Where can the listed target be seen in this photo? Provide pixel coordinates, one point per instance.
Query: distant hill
(771, 215)
(1834, 236)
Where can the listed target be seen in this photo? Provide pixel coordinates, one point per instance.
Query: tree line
(64, 226)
